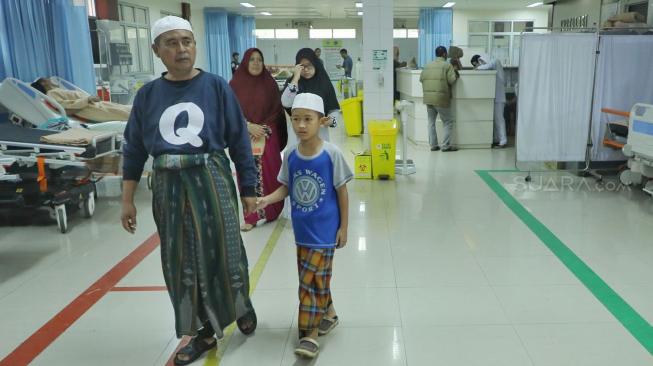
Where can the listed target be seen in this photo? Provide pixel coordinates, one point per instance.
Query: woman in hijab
(259, 99)
(311, 77)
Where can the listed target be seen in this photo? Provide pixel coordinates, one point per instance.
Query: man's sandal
(327, 325)
(194, 350)
(308, 348)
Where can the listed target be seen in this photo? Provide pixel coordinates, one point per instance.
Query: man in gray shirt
(347, 62)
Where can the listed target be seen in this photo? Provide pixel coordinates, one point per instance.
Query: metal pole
(404, 166)
(588, 148)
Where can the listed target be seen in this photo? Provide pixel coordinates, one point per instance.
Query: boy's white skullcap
(169, 23)
(309, 101)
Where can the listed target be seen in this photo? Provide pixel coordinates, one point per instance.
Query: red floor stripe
(138, 288)
(42, 338)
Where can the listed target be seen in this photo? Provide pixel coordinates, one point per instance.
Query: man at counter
(437, 78)
(397, 64)
(347, 63)
(486, 63)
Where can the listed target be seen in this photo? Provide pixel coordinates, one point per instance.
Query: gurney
(15, 139)
(639, 148)
(31, 108)
(36, 174)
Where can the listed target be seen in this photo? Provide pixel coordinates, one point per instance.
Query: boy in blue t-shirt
(315, 175)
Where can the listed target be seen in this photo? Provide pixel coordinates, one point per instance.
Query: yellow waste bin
(383, 141)
(352, 112)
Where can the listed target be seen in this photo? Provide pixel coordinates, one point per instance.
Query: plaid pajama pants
(315, 268)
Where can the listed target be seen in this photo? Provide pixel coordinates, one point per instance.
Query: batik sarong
(204, 262)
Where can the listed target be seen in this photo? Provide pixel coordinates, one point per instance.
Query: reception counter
(472, 103)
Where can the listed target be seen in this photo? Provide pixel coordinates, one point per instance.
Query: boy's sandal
(327, 325)
(194, 350)
(308, 348)
(247, 323)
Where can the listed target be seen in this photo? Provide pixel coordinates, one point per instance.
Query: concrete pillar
(378, 21)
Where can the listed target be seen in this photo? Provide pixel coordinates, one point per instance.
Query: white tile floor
(438, 271)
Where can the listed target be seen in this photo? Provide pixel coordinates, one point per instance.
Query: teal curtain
(45, 38)
(435, 29)
(218, 50)
(241, 33)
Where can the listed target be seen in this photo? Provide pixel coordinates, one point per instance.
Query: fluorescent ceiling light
(448, 5)
(359, 5)
(266, 13)
(247, 5)
(360, 13)
(535, 4)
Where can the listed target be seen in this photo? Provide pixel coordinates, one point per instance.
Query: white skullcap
(169, 23)
(309, 101)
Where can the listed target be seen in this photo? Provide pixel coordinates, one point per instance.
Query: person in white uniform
(483, 62)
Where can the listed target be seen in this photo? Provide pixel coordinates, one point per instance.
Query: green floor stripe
(631, 320)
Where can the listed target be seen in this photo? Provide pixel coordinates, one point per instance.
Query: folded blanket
(631, 17)
(72, 137)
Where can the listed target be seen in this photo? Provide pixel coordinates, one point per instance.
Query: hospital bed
(616, 132)
(36, 174)
(639, 148)
(31, 108)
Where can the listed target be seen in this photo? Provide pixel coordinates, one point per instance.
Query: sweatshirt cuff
(248, 191)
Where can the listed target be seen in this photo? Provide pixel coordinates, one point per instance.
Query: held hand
(128, 217)
(262, 203)
(249, 204)
(341, 238)
(256, 131)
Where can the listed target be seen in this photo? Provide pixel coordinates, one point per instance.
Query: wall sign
(575, 22)
(331, 58)
(379, 59)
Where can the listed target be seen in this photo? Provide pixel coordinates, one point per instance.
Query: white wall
(174, 6)
(407, 48)
(565, 9)
(283, 51)
(378, 25)
(461, 18)
(197, 21)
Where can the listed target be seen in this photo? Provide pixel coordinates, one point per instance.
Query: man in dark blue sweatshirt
(185, 120)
